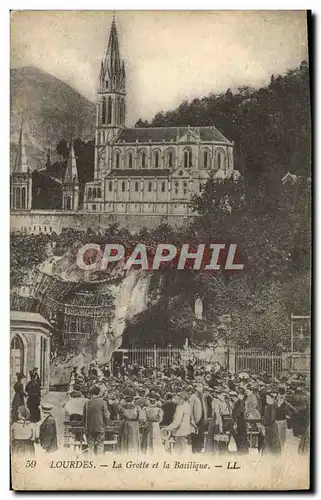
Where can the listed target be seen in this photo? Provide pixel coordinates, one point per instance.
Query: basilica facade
(147, 170)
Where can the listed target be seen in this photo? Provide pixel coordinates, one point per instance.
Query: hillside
(270, 126)
(51, 110)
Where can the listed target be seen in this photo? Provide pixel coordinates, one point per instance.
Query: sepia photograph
(160, 250)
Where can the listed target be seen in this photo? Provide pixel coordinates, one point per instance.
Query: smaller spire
(71, 174)
(48, 160)
(21, 163)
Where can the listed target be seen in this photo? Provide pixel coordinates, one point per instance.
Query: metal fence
(253, 360)
(257, 361)
(161, 357)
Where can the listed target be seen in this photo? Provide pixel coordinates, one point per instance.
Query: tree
(62, 149)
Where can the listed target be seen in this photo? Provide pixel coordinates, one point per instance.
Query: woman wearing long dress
(33, 389)
(131, 416)
(240, 425)
(151, 437)
(18, 398)
(23, 434)
(272, 441)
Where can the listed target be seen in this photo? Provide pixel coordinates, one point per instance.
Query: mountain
(51, 110)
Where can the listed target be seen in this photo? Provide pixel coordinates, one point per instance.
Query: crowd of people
(180, 407)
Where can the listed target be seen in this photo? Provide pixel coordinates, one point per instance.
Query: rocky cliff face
(51, 110)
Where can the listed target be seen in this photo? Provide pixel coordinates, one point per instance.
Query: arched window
(185, 187)
(163, 187)
(130, 160)
(109, 110)
(188, 158)
(94, 208)
(123, 186)
(170, 159)
(14, 198)
(23, 197)
(16, 355)
(68, 204)
(110, 186)
(114, 81)
(136, 186)
(143, 159)
(117, 159)
(176, 187)
(205, 159)
(221, 160)
(156, 159)
(103, 111)
(99, 193)
(18, 198)
(149, 187)
(89, 194)
(107, 84)
(94, 193)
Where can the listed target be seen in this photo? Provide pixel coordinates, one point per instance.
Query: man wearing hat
(48, 430)
(199, 412)
(96, 416)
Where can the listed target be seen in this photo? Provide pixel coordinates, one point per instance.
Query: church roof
(21, 163)
(171, 134)
(71, 174)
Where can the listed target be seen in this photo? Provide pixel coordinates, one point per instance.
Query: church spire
(21, 163)
(112, 59)
(71, 174)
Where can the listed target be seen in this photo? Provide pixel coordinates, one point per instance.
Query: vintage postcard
(160, 216)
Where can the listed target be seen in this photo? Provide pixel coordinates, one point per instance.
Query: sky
(170, 56)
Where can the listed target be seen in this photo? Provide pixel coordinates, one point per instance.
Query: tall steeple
(21, 178)
(70, 185)
(112, 59)
(21, 163)
(111, 100)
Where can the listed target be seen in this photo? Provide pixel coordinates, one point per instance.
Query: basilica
(147, 170)
(138, 172)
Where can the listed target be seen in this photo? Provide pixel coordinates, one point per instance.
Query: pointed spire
(21, 163)
(71, 174)
(112, 59)
(48, 160)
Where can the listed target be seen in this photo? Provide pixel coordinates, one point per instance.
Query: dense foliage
(270, 126)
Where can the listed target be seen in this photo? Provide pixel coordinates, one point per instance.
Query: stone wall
(48, 221)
